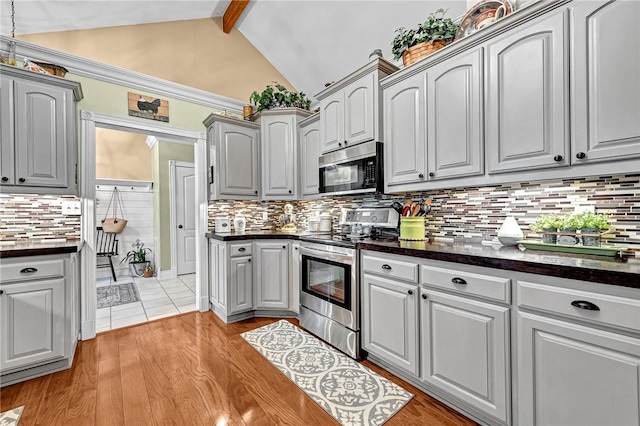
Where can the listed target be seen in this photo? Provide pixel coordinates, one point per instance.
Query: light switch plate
(71, 208)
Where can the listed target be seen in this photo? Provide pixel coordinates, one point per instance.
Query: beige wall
(195, 53)
(122, 155)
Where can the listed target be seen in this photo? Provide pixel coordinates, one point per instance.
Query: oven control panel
(378, 216)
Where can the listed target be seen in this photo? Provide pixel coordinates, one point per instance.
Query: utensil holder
(412, 228)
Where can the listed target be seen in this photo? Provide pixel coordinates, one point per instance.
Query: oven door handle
(336, 257)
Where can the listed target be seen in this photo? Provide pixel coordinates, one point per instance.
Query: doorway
(90, 122)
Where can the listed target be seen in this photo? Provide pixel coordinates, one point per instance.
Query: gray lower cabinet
(605, 82)
(38, 142)
(455, 139)
(527, 105)
(272, 275)
(390, 321)
(309, 153)
(570, 374)
(279, 152)
(233, 158)
(465, 350)
(240, 285)
(405, 136)
(39, 315)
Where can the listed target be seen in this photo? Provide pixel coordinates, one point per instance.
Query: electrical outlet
(580, 209)
(265, 216)
(71, 208)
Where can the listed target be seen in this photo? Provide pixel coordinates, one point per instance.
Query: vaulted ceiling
(309, 41)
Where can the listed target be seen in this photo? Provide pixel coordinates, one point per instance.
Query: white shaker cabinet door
(332, 122)
(390, 321)
(454, 117)
(466, 352)
(240, 285)
(405, 136)
(526, 108)
(33, 325)
(7, 146)
(605, 80)
(570, 374)
(278, 156)
(359, 111)
(272, 275)
(309, 153)
(238, 160)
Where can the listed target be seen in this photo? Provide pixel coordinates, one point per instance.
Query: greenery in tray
(277, 96)
(436, 27)
(550, 221)
(588, 220)
(571, 221)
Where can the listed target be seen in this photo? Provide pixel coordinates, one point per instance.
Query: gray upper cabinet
(272, 275)
(605, 81)
(404, 132)
(455, 139)
(39, 144)
(350, 108)
(527, 107)
(309, 153)
(279, 139)
(234, 158)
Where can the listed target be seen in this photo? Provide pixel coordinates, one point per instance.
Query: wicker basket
(419, 51)
(52, 69)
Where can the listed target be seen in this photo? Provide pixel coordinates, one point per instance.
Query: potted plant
(414, 44)
(592, 226)
(278, 96)
(148, 271)
(567, 229)
(548, 225)
(137, 259)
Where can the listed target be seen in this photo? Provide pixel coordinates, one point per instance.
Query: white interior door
(185, 219)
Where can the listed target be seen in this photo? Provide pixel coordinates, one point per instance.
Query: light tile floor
(158, 299)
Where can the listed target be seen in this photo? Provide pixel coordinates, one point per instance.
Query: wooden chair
(106, 246)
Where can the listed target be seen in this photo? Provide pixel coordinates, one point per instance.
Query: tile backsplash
(36, 217)
(476, 213)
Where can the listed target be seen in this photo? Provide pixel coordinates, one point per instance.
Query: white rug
(11, 417)
(353, 394)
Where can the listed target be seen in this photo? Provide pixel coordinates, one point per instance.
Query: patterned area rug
(117, 294)
(11, 417)
(349, 391)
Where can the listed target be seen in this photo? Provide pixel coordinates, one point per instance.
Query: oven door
(328, 286)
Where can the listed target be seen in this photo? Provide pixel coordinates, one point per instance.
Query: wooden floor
(186, 370)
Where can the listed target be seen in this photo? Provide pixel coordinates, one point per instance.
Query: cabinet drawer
(25, 271)
(608, 310)
(407, 271)
(243, 249)
(485, 286)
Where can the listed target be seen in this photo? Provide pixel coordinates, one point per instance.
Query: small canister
(222, 224)
(313, 224)
(412, 228)
(239, 223)
(325, 222)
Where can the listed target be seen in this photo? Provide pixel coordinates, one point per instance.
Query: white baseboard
(88, 329)
(167, 275)
(204, 304)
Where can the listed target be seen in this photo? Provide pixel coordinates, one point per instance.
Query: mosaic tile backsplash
(476, 213)
(36, 217)
(473, 213)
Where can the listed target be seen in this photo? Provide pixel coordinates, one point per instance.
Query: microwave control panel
(370, 172)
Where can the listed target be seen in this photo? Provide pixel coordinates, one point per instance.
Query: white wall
(137, 208)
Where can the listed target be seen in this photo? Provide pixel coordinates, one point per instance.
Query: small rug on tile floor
(353, 394)
(117, 294)
(11, 417)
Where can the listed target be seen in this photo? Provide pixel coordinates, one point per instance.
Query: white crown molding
(115, 75)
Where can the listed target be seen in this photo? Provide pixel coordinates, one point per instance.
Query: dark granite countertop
(39, 248)
(257, 235)
(607, 270)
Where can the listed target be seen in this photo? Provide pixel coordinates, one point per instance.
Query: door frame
(173, 212)
(88, 124)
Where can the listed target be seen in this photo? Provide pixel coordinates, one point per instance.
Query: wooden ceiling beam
(231, 15)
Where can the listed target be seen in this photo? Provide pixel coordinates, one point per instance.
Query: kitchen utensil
(425, 207)
(415, 208)
(397, 207)
(406, 210)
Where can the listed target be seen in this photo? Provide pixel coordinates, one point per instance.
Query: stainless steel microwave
(353, 170)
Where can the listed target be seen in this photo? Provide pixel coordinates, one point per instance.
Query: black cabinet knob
(345, 142)
(457, 280)
(21, 180)
(583, 304)
(558, 158)
(387, 267)
(179, 226)
(290, 192)
(431, 174)
(424, 296)
(339, 143)
(284, 247)
(256, 192)
(249, 260)
(1, 291)
(28, 270)
(5, 179)
(421, 175)
(580, 155)
(242, 249)
(295, 248)
(410, 292)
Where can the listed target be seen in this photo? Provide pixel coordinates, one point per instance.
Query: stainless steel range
(330, 290)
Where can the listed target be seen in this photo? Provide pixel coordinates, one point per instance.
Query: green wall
(163, 152)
